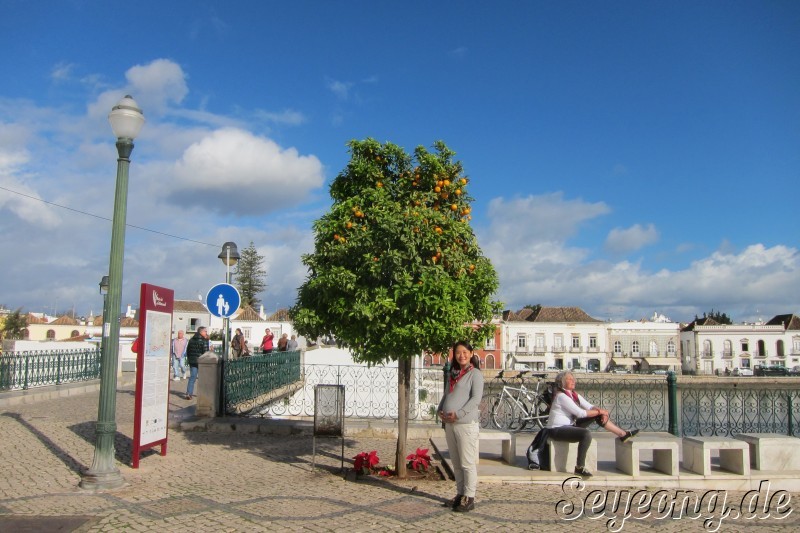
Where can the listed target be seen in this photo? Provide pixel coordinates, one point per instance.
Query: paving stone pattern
(233, 481)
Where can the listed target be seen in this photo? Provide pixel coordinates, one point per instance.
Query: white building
(645, 345)
(709, 347)
(554, 337)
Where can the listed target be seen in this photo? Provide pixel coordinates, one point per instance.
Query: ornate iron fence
(250, 381)
(748, 407)
(370, 392)
(23, 370)
(633, 402)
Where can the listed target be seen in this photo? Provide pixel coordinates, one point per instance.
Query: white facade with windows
(542, 341)
(644, 346)
(711, 348)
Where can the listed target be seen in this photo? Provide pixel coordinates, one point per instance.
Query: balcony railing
(707, 354)
(576, 349)
(559, 349)
(522, 349)
(539, 350)
(765, 353)
(727, 353)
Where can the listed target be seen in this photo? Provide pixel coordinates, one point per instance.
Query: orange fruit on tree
(453, 207)
(379, 184)
(463, 181)
(438, 230)
(440, 183)
(348, 225)
(457, 192)
(336, 237)
(446, 183)
(437, 189)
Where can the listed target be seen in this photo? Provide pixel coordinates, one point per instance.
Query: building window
(671, 347)
(707, 349)
(540, 341)
(26, 334)
(489, 361)
(745, 363)
(490, 344)
(593, 341)
(635, 347)
(653, 348)
(745, 345)
(75, 333)
(51, 334)
(617, 347)
(521, 340)
(559, 341)
(576, 341)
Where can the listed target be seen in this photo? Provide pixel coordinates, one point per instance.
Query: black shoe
(466, 505)
(534, 466)
(454, 502)
(581, 471)
(629, 434)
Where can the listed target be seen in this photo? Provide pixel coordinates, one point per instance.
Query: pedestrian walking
(459, 411)
(198, 345)
(239, 344)
(179, 345)
(266, 341)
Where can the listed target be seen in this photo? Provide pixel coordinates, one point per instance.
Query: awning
(529, 358)
(662, 361)
(623, 361)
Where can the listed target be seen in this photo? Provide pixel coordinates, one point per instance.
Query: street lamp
(126, 121)
(229, 257)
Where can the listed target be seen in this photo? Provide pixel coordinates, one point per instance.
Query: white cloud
(340, 88)
(287, 116)
(62, 71)
(621, 240)
(235, 172)
(536, 265)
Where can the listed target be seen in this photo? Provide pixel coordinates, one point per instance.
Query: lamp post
(229, 257)
(126, 121)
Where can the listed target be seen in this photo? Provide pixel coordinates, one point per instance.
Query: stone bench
(772, 451)
(508, 444)
(665, 449)
(564, 456)
(734, 455)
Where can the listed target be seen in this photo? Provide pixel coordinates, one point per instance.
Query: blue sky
(625, 157)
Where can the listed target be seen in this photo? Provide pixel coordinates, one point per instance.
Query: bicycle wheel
(485, 408)
(540, 412)
(506, 415)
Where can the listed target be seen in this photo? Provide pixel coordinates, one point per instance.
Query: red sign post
(152, 370)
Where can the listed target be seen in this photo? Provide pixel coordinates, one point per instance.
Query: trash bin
(328, 415)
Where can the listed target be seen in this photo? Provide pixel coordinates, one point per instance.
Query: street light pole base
(100, 481)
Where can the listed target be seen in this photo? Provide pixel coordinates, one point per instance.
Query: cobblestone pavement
(228, 481)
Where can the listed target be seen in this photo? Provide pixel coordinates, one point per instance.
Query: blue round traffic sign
(223, 300)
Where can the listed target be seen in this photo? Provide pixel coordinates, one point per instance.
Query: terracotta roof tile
(248, 314)
(789, 321)
(127, 322)
(64, 320)
(281, 315)
(189, 306)
(550, 314)
(33, 319)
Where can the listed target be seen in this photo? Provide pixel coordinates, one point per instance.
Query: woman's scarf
(456, 374)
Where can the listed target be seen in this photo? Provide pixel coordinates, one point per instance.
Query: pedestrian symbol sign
(223, 300)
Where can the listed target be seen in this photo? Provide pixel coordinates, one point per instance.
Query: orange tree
(396, 268)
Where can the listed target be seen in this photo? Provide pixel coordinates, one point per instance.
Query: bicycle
(514, 407)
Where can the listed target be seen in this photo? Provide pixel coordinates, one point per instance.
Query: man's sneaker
(628, 435)
(176, 378)
(581, 471)
(454, 502)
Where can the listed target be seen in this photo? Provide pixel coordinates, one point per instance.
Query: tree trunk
(403, 390)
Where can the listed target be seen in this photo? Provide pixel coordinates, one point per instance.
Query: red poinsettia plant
(419, 461)
(365, 462)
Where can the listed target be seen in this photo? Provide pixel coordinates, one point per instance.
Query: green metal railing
(248, 380)
(24, 370)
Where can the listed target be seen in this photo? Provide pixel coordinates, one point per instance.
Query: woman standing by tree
(460, 414)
